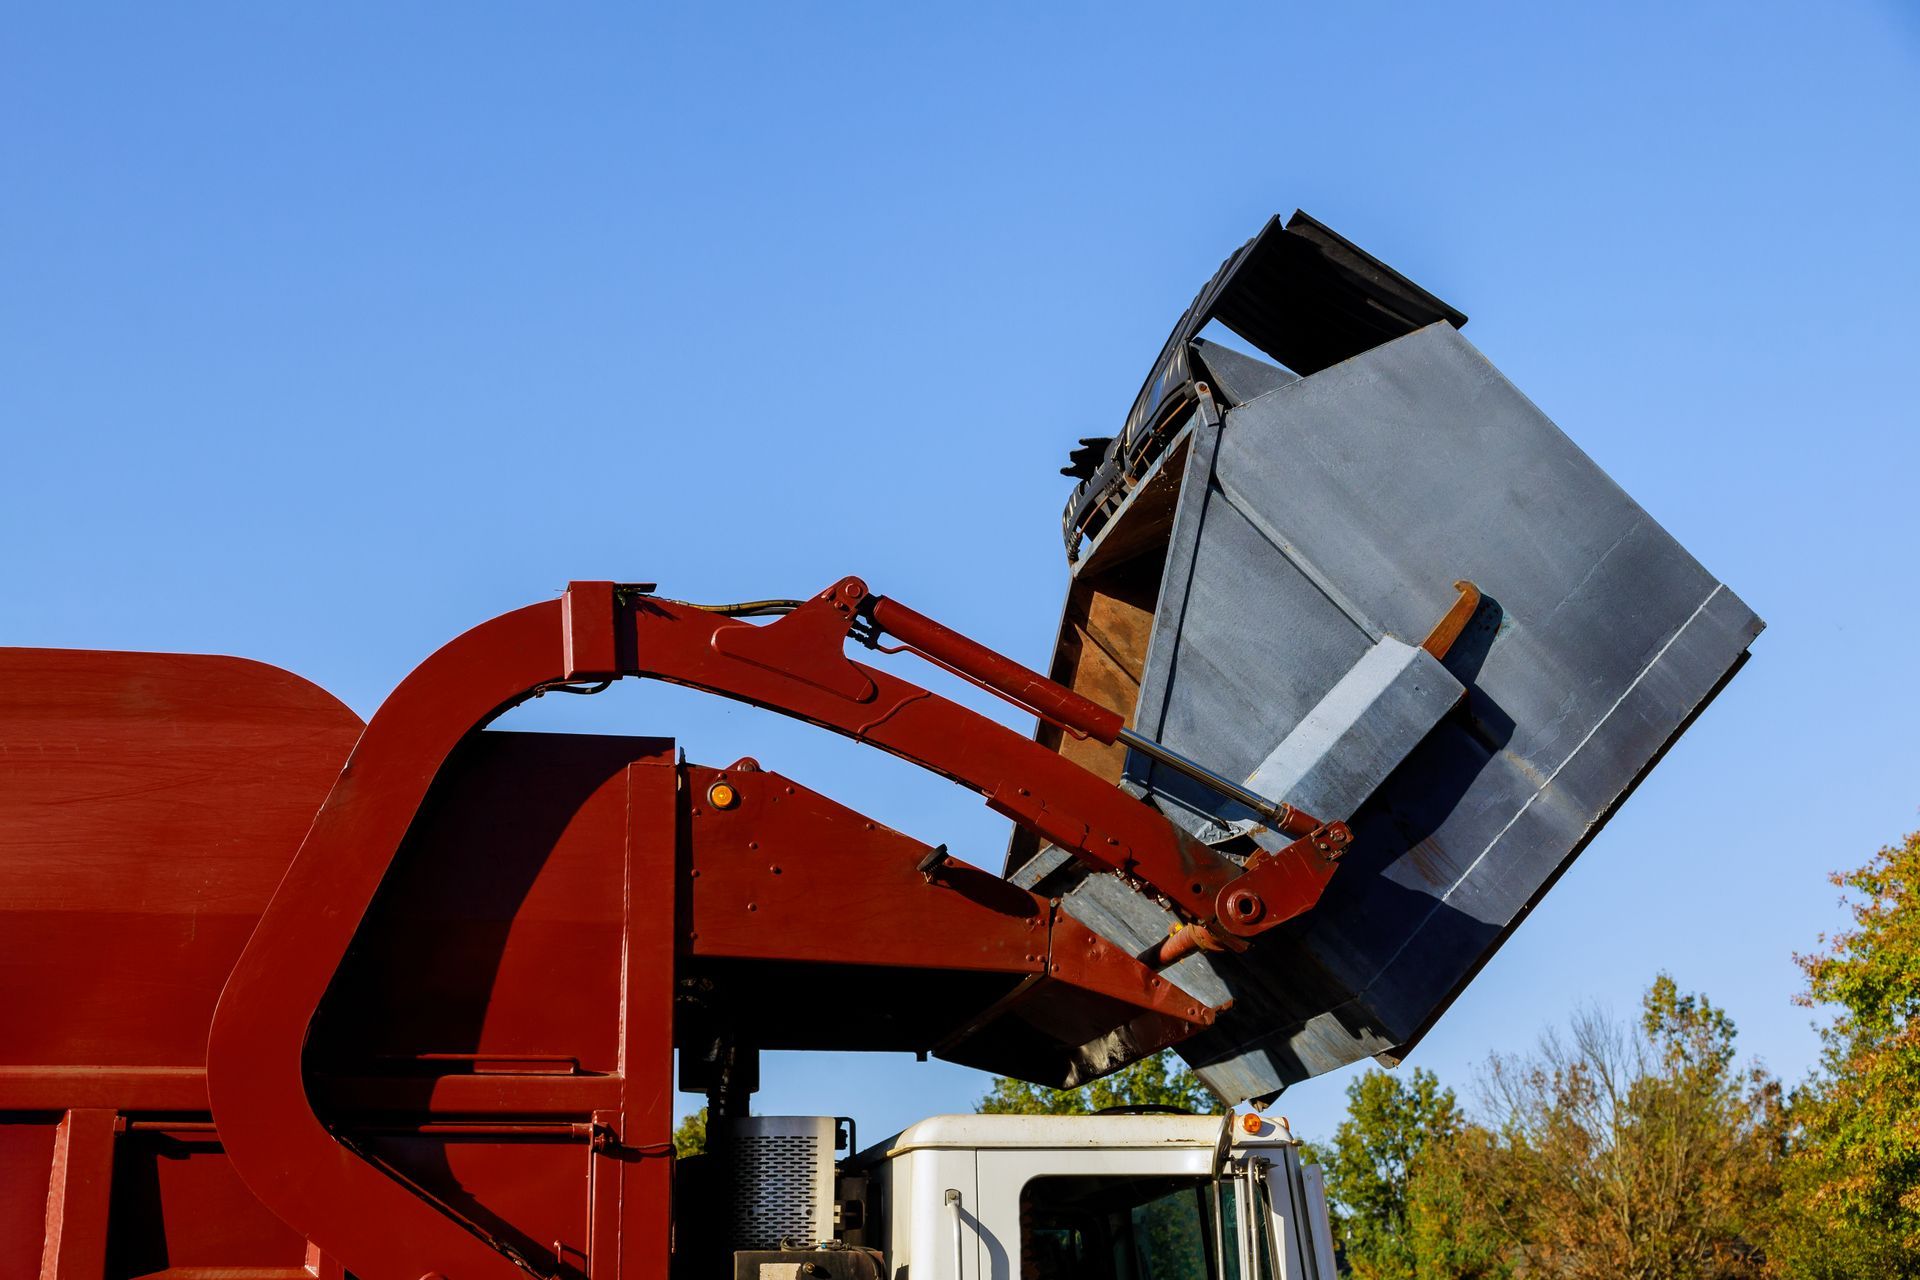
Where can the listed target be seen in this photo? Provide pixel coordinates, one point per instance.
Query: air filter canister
(777, 1175)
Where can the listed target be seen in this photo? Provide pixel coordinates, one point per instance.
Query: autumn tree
(1852, 1204)
(1390, 1123)
(1160, 1081)
(1635, 1151)
(1463, 1215)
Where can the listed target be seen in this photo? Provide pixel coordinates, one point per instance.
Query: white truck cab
(1114, 1197)
(1007, 1197)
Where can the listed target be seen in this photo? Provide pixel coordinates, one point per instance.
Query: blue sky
(326, 332)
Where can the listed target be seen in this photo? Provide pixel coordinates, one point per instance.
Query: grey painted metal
(1370, 721)
(1134, 921)
(1237, 378)
(1318, 526)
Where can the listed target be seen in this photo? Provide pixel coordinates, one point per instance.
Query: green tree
(1160, 1081)
(1390, 1122)
(1852, 1203)
(690, 1135)
(1461, 1214)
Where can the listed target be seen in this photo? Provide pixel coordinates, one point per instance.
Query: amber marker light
(1251, 1123)
(721, 795)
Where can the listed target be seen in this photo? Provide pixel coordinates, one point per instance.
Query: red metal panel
(26, 1159)
(178, 1206)
(588, 620)
(645, 1134)
(503, 911)
(782, 874)
(149, 803)
(78, 1188)
(378, 1229)
(604, 1192)
(125, 1088)
(525, 1191)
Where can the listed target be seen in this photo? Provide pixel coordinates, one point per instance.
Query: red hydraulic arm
(798, 666)
(599, 631)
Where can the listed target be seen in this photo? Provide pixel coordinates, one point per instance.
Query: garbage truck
(1358, 652)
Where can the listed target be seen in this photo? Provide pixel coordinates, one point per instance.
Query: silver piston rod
(1283, 817)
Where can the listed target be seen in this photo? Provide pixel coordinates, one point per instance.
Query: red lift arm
(934, 914)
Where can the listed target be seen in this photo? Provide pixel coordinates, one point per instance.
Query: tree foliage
(1159, 1081)
(1390, 1124)
(1614, 1150)
(1852, 1204)
(690, 1135)
(1635, 1151)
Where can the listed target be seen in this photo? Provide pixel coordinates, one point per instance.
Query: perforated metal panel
(778, 1178)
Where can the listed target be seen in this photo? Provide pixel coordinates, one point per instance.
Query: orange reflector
(722, 796)
(1251, 1123)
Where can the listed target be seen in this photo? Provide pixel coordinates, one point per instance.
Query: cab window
(1123, 1228)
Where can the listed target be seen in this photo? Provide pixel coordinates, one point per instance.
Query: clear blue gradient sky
(327, 331)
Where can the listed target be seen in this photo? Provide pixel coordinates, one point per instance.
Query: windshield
(1128, 1228)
